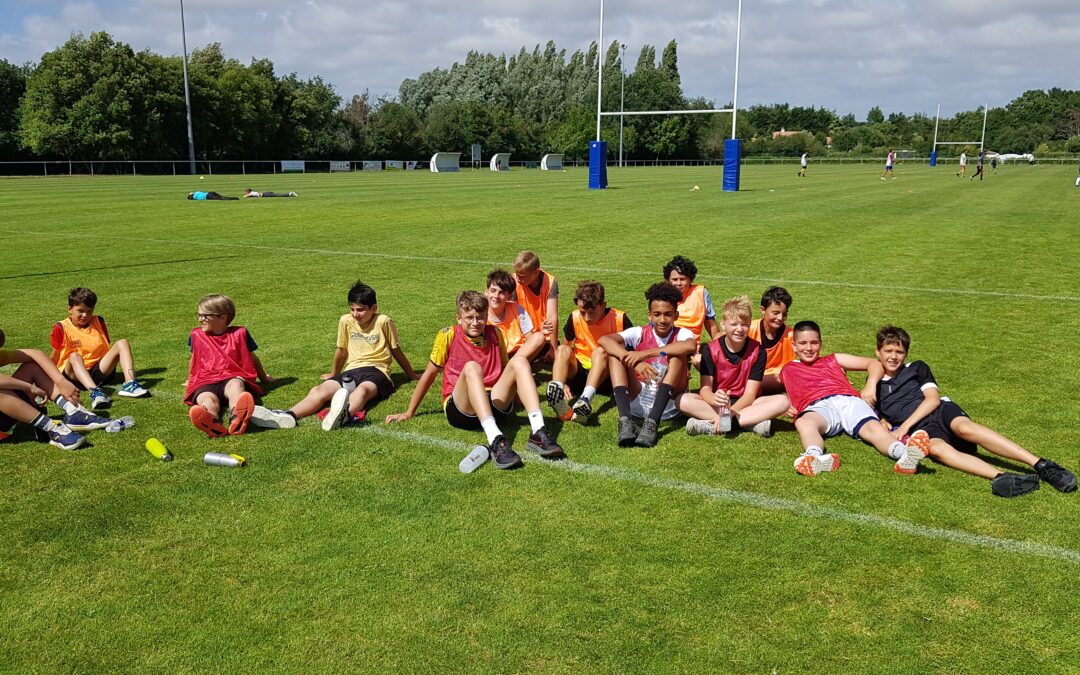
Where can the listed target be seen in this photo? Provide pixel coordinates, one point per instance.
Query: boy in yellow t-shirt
(83, 351)
(360, 374)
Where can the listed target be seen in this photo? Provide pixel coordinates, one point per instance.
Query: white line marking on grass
(765, 501)
(591, 270)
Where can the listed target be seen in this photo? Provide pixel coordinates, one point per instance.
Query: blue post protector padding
(597, 165)
(732, 155)
(933, 158)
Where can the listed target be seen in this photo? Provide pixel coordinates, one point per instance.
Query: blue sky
(846, 55)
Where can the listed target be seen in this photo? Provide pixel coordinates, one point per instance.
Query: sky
(845, 55)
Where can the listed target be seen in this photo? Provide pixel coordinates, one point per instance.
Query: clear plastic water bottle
(474, 460)
(118, 425)
(348, 382)
(723, 411)
(649, 388)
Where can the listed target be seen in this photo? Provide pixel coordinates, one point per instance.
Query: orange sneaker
(917, 448)
(812, 465)
(241, 413)
(206, 423)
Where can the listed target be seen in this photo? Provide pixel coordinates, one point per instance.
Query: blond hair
(526, 261)
(737, 308)
(474, 300)
(218, 304)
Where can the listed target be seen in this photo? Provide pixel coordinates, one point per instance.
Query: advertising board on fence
(340, 166)
(292, 166)
(410, 166)
(394, 165)
(372, 165)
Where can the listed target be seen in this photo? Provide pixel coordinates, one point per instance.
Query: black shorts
(577, 382)
(96, 375)
(938, 424)
(218, 389)
(461, 420)
(383, 385)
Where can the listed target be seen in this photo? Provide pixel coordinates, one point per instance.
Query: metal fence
(245, 167)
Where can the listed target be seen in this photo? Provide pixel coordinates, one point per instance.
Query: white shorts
(843, 414)
(670, 412)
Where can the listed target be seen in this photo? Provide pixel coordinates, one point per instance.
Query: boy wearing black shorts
(908, 397)
(360, 373)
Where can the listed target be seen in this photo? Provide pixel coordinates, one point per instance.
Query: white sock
(897, 450)
(490, 428)
(588, 392)
(67, 406)
(536, 420)
(814, 450)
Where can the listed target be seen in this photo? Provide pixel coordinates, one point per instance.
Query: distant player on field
(890, 159)
(963, 165)
(803, 161)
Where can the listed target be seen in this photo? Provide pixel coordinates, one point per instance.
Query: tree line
(96, 98)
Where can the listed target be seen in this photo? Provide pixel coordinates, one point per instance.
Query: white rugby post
(937, 119)
(598, 149)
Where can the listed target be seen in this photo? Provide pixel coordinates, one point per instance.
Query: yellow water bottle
(158, 449)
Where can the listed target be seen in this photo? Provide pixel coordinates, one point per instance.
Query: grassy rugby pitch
(367, 549)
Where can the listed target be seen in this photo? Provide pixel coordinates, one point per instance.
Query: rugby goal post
(445, 162)
(500, 161)
(937, 119)
(551, 162)
(598, 148)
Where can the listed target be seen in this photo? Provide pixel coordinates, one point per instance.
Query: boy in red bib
(223, 369)
(83, 352)
(480, 383)
(646, 350)
(732, 368)
(826, 405)
(538, 292)
(509, 316)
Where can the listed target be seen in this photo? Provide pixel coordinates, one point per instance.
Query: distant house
(784, 133)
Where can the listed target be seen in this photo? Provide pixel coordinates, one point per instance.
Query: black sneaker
(646, 438)
(1058, 476)
(1014, 484)
(542, 444)
(554, 393)
(628, 432)
(503, 455)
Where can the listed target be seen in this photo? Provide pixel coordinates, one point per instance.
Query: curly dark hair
(662, 292)
(682, 266)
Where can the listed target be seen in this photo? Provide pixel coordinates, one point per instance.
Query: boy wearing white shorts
(826, 405)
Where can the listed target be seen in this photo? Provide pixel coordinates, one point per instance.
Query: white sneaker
(917, 448)
(763, 429)
(269, 418)
(339, 409)
(696, 427)
(812, 465)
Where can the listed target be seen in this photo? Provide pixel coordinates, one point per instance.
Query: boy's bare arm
(12, 384)
(712, 328)
(613, 344)
(339, 361)
(750, 394)
(679, 348)
(403, 361)
(260, 371)
(931, 400)
(422, 386)
(63, 385)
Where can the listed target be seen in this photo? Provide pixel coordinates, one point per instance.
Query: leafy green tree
(875, 116)
(393, 132)
(12, 88)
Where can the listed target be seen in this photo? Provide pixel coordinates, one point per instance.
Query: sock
(588, 392)
(42, 422)
(663, 395)
(622, 401)
(536, 420)
(897, 450)
(67, 406)
(814, 450)
(490, 428)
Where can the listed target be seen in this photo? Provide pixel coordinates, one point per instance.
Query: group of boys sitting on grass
(755, 371)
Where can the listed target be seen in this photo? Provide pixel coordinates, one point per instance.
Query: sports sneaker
(917, 448)
(98, 398)
(628, 432)
(696, 427)
(241, 414)
(542, 444)
(339, 408)
(646, 438)
(582, 411)
(64, 438)
(132, 389)
(763, 429)
(355, 420)
(206, 423)
(81, 420)
(554, 393)
(812, 465)
(1014, 484)
(270, 418)
(1058, 476)
(503, 455)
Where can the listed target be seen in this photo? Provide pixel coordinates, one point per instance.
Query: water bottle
(158, 449)
(723, 410)
(474, 460)
(221, 459)
(648, 389)
(125, 422)
(348, 382)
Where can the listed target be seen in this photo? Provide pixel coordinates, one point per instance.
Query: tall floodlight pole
(982, 141)
(599, 69)
(187, 93)
(622, 97)
(735, 97)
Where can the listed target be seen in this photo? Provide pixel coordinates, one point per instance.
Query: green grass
(364, 550)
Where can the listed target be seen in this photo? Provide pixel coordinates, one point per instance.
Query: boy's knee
(473, 369)
(564, 353)
(122, 343)
(75, 359)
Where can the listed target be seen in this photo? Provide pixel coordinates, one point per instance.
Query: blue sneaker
(133, 389)
(64, 438)
(98, 398)
(81, 420)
